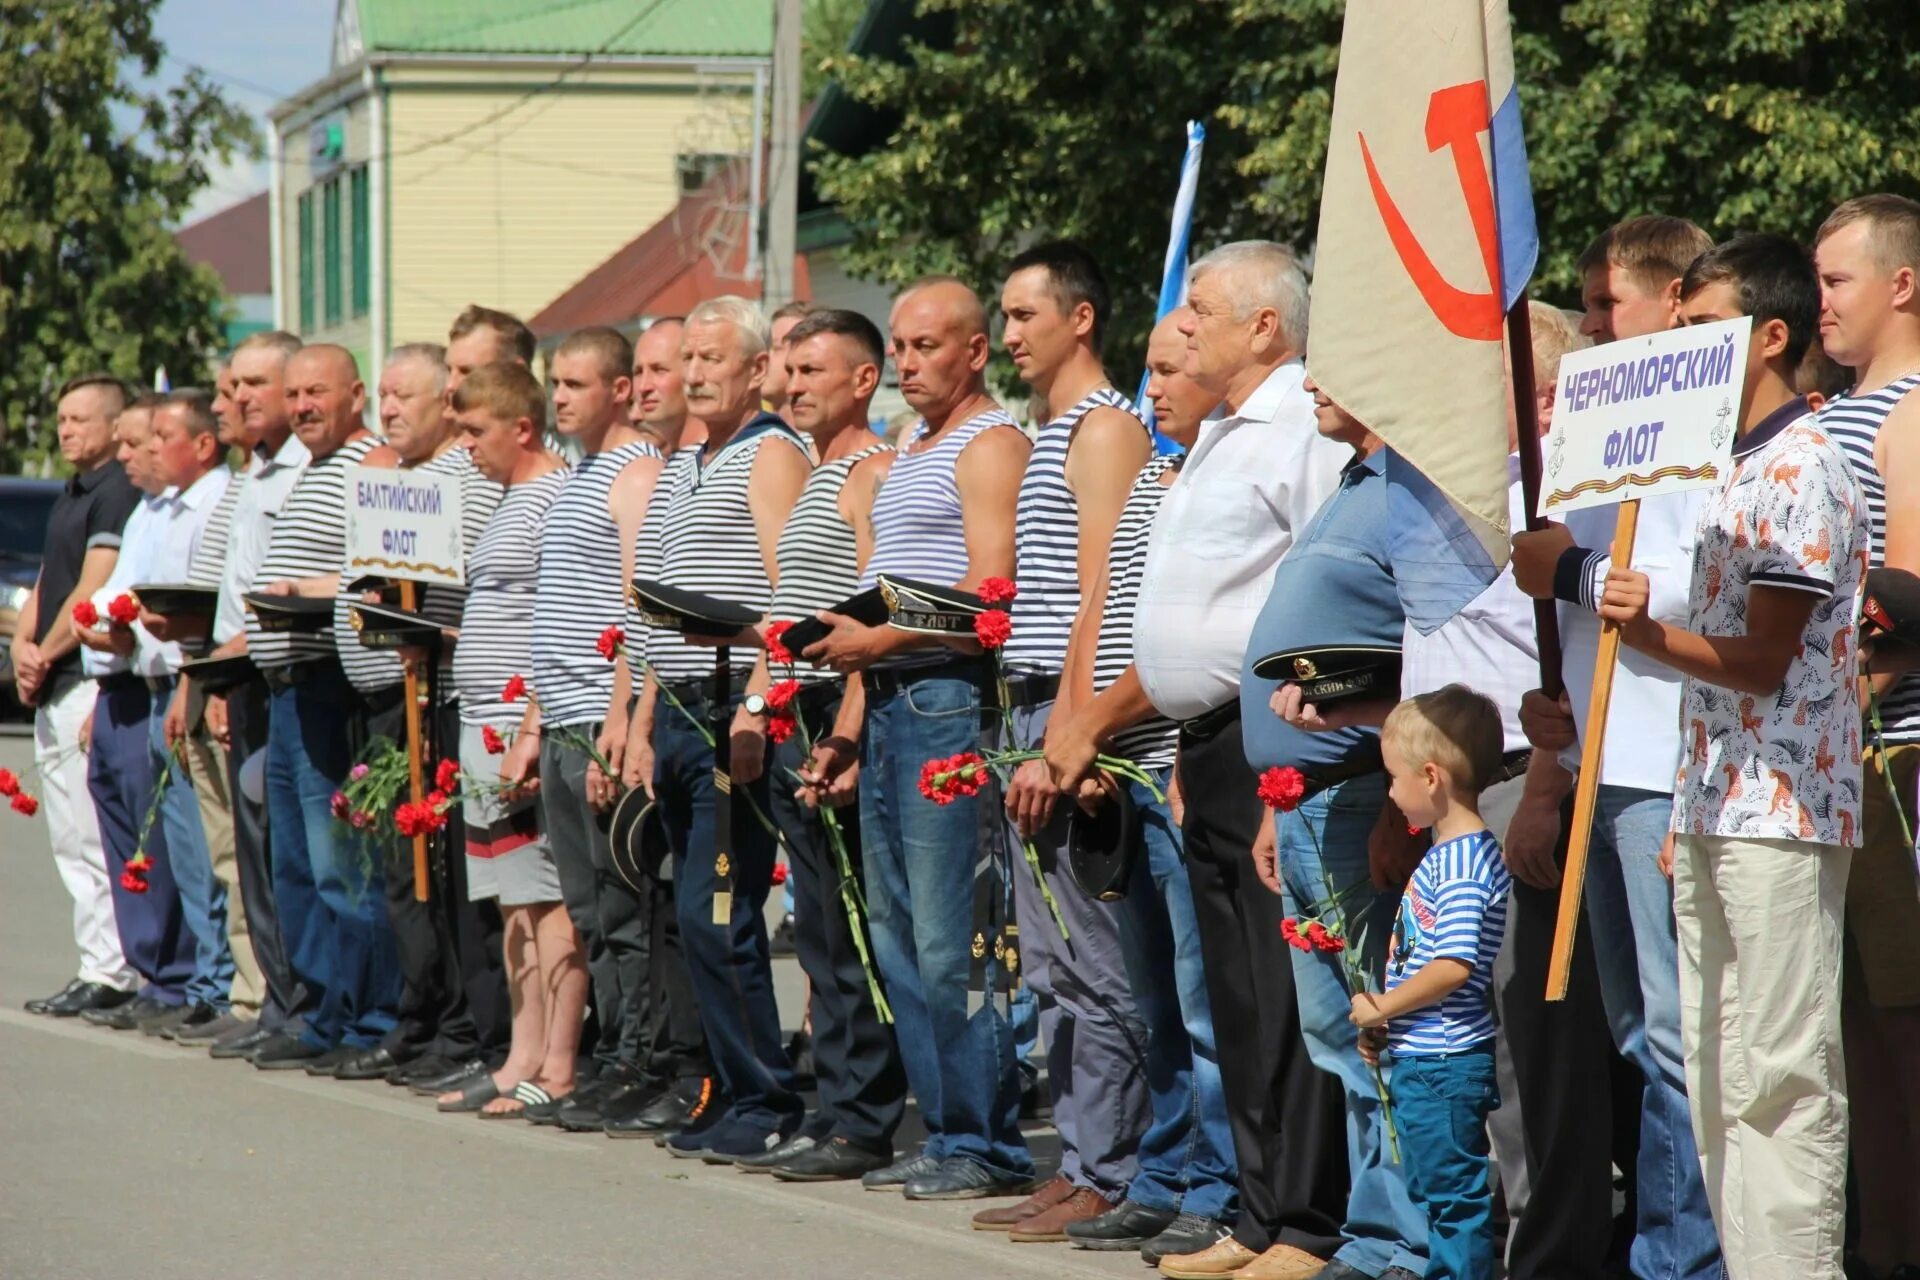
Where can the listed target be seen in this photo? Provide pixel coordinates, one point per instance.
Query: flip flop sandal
(526, 1093)
(474, 1096)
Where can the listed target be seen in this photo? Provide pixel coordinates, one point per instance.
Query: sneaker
(958, 1178)
(1188, 1233)
(736, 1138)
(902, 1171)
(1127, 1225)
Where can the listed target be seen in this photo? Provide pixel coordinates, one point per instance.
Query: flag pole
(1173, 272)
(1526, 416)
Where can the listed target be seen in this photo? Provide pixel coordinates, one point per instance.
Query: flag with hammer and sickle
(1426, 239)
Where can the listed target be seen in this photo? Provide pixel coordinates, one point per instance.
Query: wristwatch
(754, 705)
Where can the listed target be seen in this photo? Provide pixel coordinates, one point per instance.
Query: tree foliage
(96, 166)
(1067, 118)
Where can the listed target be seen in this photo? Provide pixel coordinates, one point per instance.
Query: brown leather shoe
(1045, 1228)
(1282, 1262)
(1045, 1196)
(1221, 1258)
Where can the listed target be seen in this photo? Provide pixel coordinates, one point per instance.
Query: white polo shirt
(1251, 481)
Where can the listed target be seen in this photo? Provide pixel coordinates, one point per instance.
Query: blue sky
(257, 51)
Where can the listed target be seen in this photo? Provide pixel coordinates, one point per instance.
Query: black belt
(888, 681)
(281, 678)
(159, 684)
(699, 688)
(1031, 691)
(120, 680)
(1512, 765)
(1209, 723)
(1333, 775)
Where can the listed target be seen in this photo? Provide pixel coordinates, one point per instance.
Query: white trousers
(73, 828)
(1759, 929)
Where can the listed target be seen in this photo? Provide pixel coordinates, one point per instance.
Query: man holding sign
(1632, 284)
(1768, 806)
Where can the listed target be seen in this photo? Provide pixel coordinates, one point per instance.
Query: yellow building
(496, 151)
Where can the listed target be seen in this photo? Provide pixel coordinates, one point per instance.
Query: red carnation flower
(490, 739)
(992, 627)
(132, 881)
(609, 642)
(997, 590)
(969, 774)
(85, 615)
(1291, 935)
(9, 783)
(779, 873)
(446, 777)
(123, 610)
(437, 800)
(928, 788)
(140, 862)
(777, 650)
(406, 819)
(1283, 789)
(780, 728)
(25, 805)
(782, 693)
(516, 689)
(340, 806)
(1413, 830)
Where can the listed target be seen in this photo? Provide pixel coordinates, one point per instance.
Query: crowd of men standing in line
(1212, 1107)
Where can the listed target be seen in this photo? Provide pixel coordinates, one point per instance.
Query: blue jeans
(327, 882)
(1186, 1155)
(1323, 849)
(920, 861)
(729, 963)
(1630, 910)
(1441, 1104)
(203, 899)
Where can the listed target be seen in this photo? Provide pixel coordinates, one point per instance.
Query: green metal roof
(685, 28)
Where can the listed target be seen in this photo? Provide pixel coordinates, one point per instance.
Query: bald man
(326, 883)
(946, 514)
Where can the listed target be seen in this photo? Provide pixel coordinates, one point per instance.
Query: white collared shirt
(176, 542)
(1489, 646)
(267, 483)
(1253, 479)
(143, 532)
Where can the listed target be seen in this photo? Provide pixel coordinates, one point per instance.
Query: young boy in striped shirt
(1435, 1016)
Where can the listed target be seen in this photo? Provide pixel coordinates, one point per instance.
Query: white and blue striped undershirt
(818, 555)
(1047, 544)
(1854, 422)
(1150, 743)
(580, 592)
(1455, 908)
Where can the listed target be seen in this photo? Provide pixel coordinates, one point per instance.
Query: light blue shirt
(144, 530)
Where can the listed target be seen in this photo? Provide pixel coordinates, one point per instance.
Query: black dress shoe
(1189, 1233)
(88, 995)
(199, 1033)
(161, 1023)
(1126, 1226)
(622, 1090)
(835, 1160)
(366, 1064)
(461, 1075)
(431, 1066)
(799, 1144)
(39, 1004)
(958, 1178)
(283, 1052)
(329, 1062)
(672, 1111)
(240, 1044)
(126, 1015)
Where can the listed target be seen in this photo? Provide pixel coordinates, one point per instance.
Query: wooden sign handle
(416, 764)
(1573, 877)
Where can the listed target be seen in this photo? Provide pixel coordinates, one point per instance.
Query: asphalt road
(124, 1156)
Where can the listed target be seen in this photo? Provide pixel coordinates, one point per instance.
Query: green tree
(826, 27)
(1066, 118)
(95, 166)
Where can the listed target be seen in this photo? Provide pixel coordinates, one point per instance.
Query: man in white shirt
(185, 453)
(120, 770)
(1632, 288)
(1255, 476)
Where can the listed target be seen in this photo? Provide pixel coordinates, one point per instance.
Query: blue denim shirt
(1334, 586)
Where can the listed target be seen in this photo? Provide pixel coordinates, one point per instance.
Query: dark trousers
(672, 1043)
(121, 778)
(863, 1089)
(728, 961)
(287, 1000)
(1288, 1118)
(1564, 1080)
(609, 917)
(437, 1011)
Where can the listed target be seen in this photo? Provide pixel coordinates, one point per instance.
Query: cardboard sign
(1645, 416)
(401, 524)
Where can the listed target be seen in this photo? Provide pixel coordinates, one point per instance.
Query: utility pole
(783, 187)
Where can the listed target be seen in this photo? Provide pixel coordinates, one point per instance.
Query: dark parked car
(24, 507)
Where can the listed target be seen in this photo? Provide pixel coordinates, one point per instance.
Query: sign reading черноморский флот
(402, 524)
(1645, 416)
